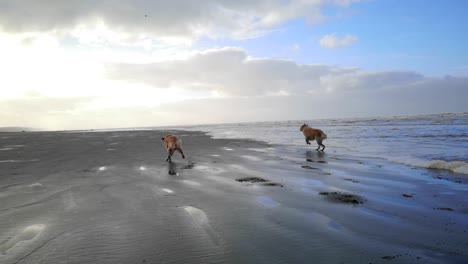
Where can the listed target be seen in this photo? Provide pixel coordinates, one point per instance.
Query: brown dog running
(172, 143)
(313, 134)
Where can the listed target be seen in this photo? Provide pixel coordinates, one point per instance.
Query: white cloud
(128, 21)
(228, 71)
(332, 41)
(295, 48)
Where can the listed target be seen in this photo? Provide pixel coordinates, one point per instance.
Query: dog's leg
(319, 142)
(169, 154)
(181, 152)
(307, 141)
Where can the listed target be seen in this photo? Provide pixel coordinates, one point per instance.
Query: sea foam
(455, 166)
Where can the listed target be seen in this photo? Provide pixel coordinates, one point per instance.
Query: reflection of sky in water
(267, 201)
(333, 224)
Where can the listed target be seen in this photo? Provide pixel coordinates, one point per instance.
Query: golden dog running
(172, 143)
(313, 134)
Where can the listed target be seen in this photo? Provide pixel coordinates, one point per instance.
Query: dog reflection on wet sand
(172, 168)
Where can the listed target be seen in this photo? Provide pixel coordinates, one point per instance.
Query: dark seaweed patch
(444, 209)
(351, 180)
(251, 179)
(343, 197)
(272, 184)
(309, 167)
(318, 161)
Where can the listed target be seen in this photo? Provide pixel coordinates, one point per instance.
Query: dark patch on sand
(319, 161)
(309, 167)
(351, 180)
(189, 166)
(272, 184)
(444, 209)
(259, 180)
(343, 197)
(391, 257)
(251, 179)
(407, 195)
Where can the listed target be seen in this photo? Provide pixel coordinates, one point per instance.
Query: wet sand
(110, 197)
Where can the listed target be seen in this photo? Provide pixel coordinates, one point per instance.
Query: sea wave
(455, 166)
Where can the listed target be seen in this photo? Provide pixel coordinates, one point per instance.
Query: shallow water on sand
(431, 141)
(231, 201)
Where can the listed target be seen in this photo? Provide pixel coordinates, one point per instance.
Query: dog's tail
(323, 135)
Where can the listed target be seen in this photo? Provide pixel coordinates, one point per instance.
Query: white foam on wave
(103, 168)
(455, 166)
(34, 185)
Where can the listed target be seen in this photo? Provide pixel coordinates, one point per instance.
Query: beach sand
(110, 197)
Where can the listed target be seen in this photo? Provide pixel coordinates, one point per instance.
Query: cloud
(369, 81)
(429, 95)
(133, 21)
(231, 72)
(294, 48)
(332, 41)
(228, 71)
(218, 85)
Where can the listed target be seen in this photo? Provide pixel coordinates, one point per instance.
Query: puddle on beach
(267, 201)
(380, 214)
(35, 185)
(16, 161)
(193, 183)
(167, 190)
(201, 219)
(26, 234)
(333, 224)
(252, 158)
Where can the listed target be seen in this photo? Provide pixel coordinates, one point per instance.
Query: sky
(94, 64)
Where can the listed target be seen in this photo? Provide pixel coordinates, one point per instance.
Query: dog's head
(303, 126)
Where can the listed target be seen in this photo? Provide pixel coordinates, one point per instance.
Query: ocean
(438, 141)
